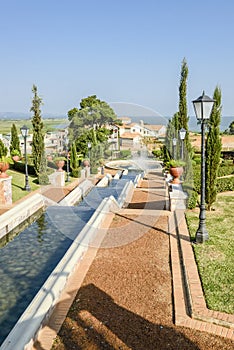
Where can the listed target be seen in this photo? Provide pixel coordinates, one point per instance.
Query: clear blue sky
(122, 51)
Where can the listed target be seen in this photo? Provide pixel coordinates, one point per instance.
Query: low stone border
(77, 194)
(189, 303)
(21, 212)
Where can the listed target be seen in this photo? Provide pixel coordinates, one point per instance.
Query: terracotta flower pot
(3, 168)
(176, 173)
(16, 158)
(60, 164)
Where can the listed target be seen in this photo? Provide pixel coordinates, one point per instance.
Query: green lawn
(18, 183)
(215, 257)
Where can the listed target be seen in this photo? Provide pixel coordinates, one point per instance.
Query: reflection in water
(41, 227)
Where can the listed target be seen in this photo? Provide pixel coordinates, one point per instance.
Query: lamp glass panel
(182, 134)
(198, 109)
(24, 131)
(207, 108)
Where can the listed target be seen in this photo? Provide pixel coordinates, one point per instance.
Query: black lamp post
(182, 133)
(24, 131)
(66, 141)
(89, 148)
(203, 106)
(174, 142)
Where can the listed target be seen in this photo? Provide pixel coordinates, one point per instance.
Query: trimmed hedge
(225, 184)
(225, 169)
(125, 153)
(192, 200)
(19, 166)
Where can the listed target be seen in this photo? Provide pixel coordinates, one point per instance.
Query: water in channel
(28, 260)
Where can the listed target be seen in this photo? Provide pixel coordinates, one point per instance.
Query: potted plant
(4, 165)
(15, 154)
(86, 162)
(60, 161)
(176, 169)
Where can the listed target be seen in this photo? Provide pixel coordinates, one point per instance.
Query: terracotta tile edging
(187, 289)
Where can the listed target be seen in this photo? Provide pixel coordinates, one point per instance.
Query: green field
(215, 257)
(49, 124)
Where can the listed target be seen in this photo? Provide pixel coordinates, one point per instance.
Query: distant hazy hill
(193, 126)
(21, 116)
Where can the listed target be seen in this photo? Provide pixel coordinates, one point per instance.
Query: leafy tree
(102, 135)
(72, 113)
(93, 113)
(90, 102)
(82, 142)
(38, 145)
(15, 142)
(213, 149)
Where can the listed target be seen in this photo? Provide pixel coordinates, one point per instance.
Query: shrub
(43, 179)
(107, 153)
(75, 172)
(192, 200)
(225, 169)
(157, 153)
(225, 184)
(125, 153)
(94, 170)
(20, 166)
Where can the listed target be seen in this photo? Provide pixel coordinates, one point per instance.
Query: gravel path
(125, 301)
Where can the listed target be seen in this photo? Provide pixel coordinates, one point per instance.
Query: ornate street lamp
(182, 133)
(24, 131)
(203, 106)
(174, 142)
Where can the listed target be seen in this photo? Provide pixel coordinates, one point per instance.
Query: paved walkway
(148, 208)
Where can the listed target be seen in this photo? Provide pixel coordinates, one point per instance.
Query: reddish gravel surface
(126, 302)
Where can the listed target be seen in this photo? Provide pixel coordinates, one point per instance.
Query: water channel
(28, 260)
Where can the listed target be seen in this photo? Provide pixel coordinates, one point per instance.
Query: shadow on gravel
(95, 321)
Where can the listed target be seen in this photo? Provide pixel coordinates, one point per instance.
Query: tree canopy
(93, 113)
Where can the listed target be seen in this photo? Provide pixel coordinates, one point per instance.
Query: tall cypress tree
(38, 145)
(74, 162)
(15, 142)
(183, 113)
(3, 149)
(213, 149)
